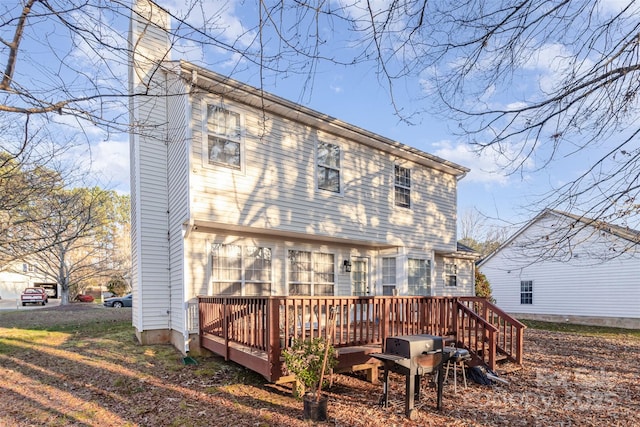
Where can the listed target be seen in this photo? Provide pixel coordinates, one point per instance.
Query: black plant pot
(315, 410)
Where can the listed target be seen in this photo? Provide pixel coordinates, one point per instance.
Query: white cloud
(484, 168)
(217, 18)
(111, 161)
(487, 166)
(107, 162)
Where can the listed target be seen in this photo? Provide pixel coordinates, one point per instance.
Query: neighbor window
(328, 167)
(419, 277)
(526, 292)
(388, 276)
(311, 273)
(451, 274)
(234, 268)
(402, 187)
(224, 137)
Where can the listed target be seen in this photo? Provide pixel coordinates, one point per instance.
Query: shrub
(304, 360)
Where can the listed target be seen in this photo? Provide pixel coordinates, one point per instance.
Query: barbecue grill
(412, 356)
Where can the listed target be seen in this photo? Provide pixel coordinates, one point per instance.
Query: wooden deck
(253, 331)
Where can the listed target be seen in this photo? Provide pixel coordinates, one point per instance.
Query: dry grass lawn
(80, 366)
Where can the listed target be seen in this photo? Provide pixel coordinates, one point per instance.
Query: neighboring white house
(563, 267)
(239, 192)
(18, 275)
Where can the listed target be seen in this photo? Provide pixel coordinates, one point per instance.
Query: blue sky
(356, 95)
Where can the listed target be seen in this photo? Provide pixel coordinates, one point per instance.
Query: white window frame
(237, 137)
(242, 279)
(389, 275)
(450, 274)
(401, 185)
(526, 295)
(337, 168)
(314, 273)
(419, 289)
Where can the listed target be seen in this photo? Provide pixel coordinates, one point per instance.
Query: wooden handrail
(477, 335)
(510, 339)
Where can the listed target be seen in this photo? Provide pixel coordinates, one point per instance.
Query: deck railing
(509, 336)
(253, 331)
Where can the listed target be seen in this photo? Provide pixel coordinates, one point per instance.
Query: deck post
(226, 319)
(519, 345)
(273, 338)
(454, 319)
(386, 315)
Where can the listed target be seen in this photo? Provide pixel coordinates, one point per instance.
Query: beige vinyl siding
(178, 184)
(277, 188)
(149, 178)
(465, 284)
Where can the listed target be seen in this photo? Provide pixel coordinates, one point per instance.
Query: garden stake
(330, 327)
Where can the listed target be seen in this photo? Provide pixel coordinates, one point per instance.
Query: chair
(458, 356)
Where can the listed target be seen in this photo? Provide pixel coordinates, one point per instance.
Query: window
(451, 274)
(224, 137)
(328, 167)
(388, 276)
(419, 278)
(257, 270)
(311, 273)
(360, 276)
(324, 278)
(235, 268)
(402, 187)
(526, 292)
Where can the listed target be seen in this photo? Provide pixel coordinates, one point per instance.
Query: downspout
(187, 228)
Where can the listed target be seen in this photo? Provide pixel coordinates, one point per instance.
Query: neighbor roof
(622, 232)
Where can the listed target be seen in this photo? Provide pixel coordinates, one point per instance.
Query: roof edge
(253, 96)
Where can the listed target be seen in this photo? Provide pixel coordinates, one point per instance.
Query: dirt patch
(106, 379)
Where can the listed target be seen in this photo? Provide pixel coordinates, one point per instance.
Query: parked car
(119, 302)
(34, 296)
(84, 298)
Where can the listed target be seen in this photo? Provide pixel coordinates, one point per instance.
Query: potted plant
(309, 360)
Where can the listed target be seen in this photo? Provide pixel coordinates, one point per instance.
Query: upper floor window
(526, 292)
(419, 277)
(224, 142)
(328, 167)
(451, 274)
(402, 187)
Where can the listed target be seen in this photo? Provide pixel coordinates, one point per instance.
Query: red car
(34, 296)
(84, 298)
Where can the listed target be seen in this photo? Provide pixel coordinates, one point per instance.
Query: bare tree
(480, 232)
(69, 246)
(536, 81)
(533, 80)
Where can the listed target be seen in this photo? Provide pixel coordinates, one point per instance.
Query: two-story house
(239, 192)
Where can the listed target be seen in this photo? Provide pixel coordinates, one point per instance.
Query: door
(360, 276)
